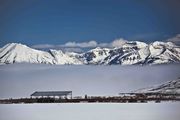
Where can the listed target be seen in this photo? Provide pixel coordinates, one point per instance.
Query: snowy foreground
(91, 111)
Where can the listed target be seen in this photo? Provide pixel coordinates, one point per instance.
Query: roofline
(69, 92)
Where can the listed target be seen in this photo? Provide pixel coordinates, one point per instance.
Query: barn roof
(51, 93)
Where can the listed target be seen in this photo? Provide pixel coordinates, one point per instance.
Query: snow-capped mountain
(171, 87)
(130, 53)
(17, 53)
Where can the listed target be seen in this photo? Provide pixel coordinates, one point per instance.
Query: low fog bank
(20, 80)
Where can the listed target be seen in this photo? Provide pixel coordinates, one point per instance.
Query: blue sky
(59, 21)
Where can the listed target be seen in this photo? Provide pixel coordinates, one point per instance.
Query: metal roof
(51, 93)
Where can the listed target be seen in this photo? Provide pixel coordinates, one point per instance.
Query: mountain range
(130, 53)
(170, 87)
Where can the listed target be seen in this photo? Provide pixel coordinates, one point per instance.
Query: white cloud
(58, 47)
(118, 42)
(78, 46)
(175, 39)
(92, 44)
(83, 44)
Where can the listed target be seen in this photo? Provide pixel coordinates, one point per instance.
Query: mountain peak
(16, 45)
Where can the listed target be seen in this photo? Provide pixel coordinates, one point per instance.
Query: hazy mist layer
(20, 80)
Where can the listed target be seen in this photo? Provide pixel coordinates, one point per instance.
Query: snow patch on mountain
(95, 56)
(63, 58)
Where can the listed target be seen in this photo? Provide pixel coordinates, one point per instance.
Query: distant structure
(59, 94)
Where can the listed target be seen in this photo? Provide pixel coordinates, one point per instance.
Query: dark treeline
(128, 98)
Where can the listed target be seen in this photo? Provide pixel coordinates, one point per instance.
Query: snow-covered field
(91, 111)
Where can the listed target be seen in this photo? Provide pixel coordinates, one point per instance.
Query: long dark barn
(52, 94)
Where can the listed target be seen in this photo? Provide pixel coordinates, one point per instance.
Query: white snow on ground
(91, 111)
